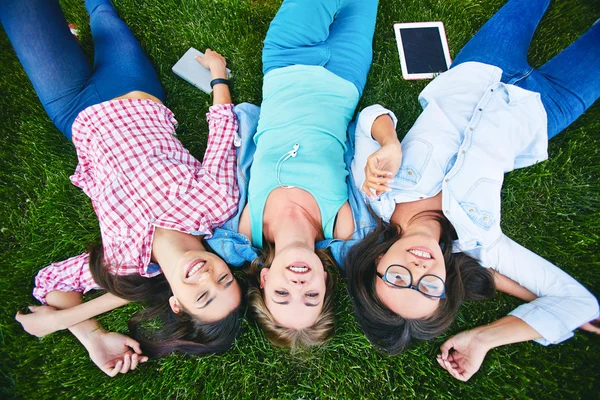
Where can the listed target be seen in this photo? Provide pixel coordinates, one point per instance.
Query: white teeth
(420, 253)
(195, 268)
(299, 269)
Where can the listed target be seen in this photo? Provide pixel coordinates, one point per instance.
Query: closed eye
(203, 295)
(221, 279)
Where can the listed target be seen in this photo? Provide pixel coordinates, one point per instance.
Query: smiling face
(201, 282)
(294, 287)
(420, 254)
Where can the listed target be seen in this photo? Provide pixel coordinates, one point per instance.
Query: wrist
(218, 73)
(87, 332)
(390, 140)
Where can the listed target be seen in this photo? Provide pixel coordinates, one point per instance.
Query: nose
(421, 264)
(298, 281)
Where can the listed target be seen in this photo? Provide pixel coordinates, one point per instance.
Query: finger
(439, 360)
(446, 347)
(134, 345)
(19, 316)
(454, 372)
(367, 191)
(126, 363)
(135, 358)
(380, 172)
(373, 179)
(113, 372)
(143, 359)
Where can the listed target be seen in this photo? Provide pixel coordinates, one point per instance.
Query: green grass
(552, 208)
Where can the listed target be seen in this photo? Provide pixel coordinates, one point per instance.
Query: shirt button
(152, 219)
(463, 152)
(480, 109)
(447, 211)
(485, 218)
(447, 180)
(491, 90)
(470, 129)
(410, 172)
(421, 197)
(471, 210)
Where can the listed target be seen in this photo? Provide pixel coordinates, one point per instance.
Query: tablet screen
(423, 50)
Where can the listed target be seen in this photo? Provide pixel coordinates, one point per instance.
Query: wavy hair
(388, 331)
(180, 332)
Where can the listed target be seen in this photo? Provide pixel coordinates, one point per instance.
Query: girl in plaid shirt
(154, 201)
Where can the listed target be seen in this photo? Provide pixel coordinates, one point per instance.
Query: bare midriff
(136, 94)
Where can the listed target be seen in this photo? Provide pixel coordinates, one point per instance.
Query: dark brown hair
(180, 332)
(391, 333)
(316, 334)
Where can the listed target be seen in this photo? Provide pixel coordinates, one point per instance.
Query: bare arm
(110, 351)
(63, 312)
(463, 354)
(508, 286)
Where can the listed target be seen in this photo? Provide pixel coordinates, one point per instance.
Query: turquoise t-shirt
(300, 141)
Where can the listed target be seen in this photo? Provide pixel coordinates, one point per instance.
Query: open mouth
(299, 268)
(421, 252)
(194, 267)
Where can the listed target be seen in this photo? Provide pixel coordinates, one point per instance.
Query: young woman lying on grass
(155, 203)
(316, 57)
(489, 114)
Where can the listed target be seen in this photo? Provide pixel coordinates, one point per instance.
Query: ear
(174, 305)
(325, 278)
(263, 277)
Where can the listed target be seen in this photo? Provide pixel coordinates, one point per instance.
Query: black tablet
(423, 49)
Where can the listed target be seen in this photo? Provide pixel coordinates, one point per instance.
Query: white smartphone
(423, 49)
(192, 71)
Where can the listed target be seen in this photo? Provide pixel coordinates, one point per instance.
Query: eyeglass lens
(429, 284)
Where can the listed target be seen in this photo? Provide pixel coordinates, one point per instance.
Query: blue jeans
(56, 65)
(568, 84)
(336, 34)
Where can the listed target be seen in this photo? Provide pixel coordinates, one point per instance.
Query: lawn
(551, 208)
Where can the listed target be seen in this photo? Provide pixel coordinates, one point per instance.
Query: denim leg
(50, 55)
(351, 41)
(298, 33)
(569, 83)
(120, 65)
(504, 40)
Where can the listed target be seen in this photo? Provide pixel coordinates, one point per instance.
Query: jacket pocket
(416, 154)
(482, 203)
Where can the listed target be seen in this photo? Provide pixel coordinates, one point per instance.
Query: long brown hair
(180, 332)
(316, 334)
(391, 333)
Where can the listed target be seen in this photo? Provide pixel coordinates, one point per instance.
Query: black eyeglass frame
(410, 285)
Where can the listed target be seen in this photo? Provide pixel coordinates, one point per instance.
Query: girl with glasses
(438, 196)
(155, 202)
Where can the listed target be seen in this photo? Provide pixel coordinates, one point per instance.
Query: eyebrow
(212, 298)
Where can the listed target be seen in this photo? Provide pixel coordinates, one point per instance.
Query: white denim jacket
(474, 129)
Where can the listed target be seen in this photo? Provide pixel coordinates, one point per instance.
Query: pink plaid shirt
(139, 177)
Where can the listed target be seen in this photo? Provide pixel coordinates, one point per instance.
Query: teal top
(300, 141)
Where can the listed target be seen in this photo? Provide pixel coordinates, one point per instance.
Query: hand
(381, 168)
(42, 321)
(592, 326)
(113, 352)
(462, 355)
(214, 62)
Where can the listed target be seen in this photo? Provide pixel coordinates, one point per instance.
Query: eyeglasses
(401, 278)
